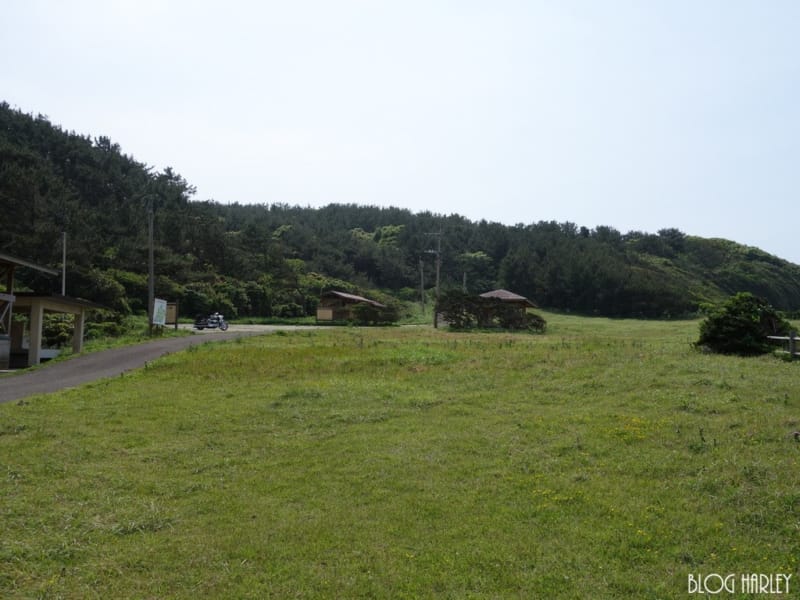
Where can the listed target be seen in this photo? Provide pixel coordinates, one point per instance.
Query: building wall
(334, 313)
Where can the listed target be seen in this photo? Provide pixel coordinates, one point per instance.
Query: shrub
(534, 322)
(289, 310)
(107, 324)
(458, 309)
(741, 326)
(368, 314)
(57, 330)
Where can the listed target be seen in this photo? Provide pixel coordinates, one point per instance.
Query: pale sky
(638, 114)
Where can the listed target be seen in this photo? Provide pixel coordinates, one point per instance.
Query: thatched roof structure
(510, 297)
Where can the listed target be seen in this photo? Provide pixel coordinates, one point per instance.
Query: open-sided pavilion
(34, 306)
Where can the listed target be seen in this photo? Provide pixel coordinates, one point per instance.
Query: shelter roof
(351, 298)
(507, 296)
(57, 301)
(8, 259)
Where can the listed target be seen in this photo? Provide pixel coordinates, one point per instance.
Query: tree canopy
(274, 260)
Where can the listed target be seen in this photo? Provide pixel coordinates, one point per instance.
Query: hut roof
(8, 259)
(351, 298)
(506, 296)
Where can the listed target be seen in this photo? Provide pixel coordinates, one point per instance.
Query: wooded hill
(274, 260)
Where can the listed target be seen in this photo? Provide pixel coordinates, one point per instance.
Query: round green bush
(741, 326)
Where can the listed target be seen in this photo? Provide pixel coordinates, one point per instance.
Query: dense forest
(275, 260)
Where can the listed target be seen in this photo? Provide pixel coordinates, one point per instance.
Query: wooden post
(150, 269)
(10, 280)
(7, 318)
(438, 253)
(422, 284)
(64, 263)
(77, 334)
(438, 268)
(792, 343)
(35, 334)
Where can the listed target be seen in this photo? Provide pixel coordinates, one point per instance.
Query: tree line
(250, 259)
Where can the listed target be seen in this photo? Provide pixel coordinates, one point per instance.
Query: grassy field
(604, 459)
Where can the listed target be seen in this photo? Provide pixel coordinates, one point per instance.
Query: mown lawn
(604, 459)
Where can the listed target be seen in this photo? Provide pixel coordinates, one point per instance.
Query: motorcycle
(212, 321)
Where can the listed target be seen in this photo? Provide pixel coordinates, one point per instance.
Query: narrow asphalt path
(108, 363)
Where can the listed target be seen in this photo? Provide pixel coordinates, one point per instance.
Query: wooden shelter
(12, 334)
(8, 266)
(34, 306)
(506, 299)
(338, 306)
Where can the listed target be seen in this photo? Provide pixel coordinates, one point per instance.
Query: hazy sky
(639, 114)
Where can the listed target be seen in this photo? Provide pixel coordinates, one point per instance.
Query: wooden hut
(505, 299)
(339, 306)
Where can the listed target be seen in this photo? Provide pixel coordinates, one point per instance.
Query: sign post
(159, 312)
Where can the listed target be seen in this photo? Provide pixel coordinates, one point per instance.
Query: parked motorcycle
(212, 321)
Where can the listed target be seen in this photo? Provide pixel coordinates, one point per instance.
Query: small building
(26, 350)
(8, 266)
(339, 306)
(505, 299)
(13, 340)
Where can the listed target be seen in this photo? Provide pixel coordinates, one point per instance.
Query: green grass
(604, 459)
(136, 336)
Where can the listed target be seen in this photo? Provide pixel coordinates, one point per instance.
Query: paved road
(110, 363)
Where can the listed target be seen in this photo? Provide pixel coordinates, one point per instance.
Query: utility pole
(438, 269)
(151, 278)
(422, 284)
(64, 262)
(62, 220)
(438, 253)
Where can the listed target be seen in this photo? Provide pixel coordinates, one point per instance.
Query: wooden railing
(789, 343)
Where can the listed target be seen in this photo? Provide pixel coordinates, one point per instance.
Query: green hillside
(274, 260)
